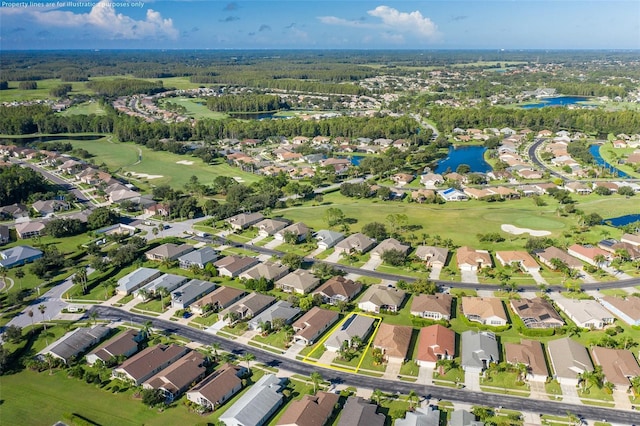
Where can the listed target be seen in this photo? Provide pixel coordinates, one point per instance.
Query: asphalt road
(391, 386)
(57, 180)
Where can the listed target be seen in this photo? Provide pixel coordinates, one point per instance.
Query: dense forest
(245, 103)
(18, 183)
(124, 87)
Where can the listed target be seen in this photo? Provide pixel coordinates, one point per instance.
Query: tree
(378, 356)
(163, 292)
(146, 329)
(463, 169)
(20, 275)
(377, 395)
(413, 399)
(101, 217)
(248, 357)
(375, 230)
(394, 257)
(292, 260)
(152, 397)
(93, 316)
(334, 216)
(316, 378)
(43, 308)
(30, 314)
(13, 333)
(80, 278)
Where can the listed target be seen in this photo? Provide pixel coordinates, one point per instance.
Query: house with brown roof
(311, 410)
(435, 342)
(618, 365)
(547, 255)
(217, 300)
(627, 309)
(485, 310)
(381, 297)
(312, 324)
(521, 259)
(219, 387)
(250, 306)
(232, 266)
(142, 366)
(390, 244)
(529, 353)
(402, 178)
(30, 229)
(631, 239)
(394, 341)
(433, 306)
(590, 254)
(269, 270)
(337, 289)
(49, 207)
(14, 211)
(355, 243)
(299, 281)
(244, 220)
(124, 344)
(176, 378)
(471, 260)
(299, 229)
(433, 256)
(268, 227)
(168, 251)
(537, 313)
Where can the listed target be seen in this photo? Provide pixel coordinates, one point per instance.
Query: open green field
(195, 107)
(611, 155)
(42, 92)
(85, 108)
(172, 169)
(462, 222)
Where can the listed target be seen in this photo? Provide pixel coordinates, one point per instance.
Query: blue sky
(315, 24)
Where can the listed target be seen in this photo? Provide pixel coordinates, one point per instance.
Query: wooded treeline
(17, 183)
(245, 103)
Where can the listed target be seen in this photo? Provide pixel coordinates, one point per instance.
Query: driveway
(333, 257)
(472, 380)
(273, 244)
(435, 273)
(372, 263)
(469, 277)
(538, 278)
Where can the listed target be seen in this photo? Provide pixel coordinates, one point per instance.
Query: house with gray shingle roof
(136, 279)
(232, 266)
(279, 310)
(168, 251)
(568, 359)
(200, 258)
(258, 404)
(18, 255)
(355, 243)
(184, 296)
(355, 326)
(251, 305)
(299, 229)
(390, 244)
(244, 220)
(268, 227)
(77, 341)
(169, 282)
(327, 239)
(478, 350)
(358, 411)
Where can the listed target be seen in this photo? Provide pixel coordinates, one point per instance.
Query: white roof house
(137, 279)
(257, 405)
(585, 313)
(167, 281)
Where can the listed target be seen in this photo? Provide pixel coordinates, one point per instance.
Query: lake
(470, 155)
(255, 116)
(623, 220)
(557, 101)
(595, 151)
(355, 159)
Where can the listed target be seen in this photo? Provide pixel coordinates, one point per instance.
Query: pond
(355, 159)
(623, 220)
(557, 101)
(470, 155)
(595, 151)
(255, 116)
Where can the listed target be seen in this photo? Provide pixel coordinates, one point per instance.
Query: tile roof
(436, 340)
(528, 352)
(393, 339)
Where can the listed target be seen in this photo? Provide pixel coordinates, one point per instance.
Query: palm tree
(80, 277)
(376, 395)
(42, 308)
(30, 313)
(413, 399)
(146, 328)
(19, 275)
(93, 316)
(49, 358)
(163, 292)
(215, 346)
(316, 378)
(248, 357)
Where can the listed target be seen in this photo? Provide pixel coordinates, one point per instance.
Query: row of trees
(246, 103)
(18, 183)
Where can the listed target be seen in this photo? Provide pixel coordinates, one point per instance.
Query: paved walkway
(327, 357)
(621, 399)
(587, 278)
(273, 244)
(316, 252)
(294, 350)
(538, 278)
(256, 239)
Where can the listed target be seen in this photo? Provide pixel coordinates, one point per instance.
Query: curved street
(425, 391)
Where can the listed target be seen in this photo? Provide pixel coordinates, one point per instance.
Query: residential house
(5, 234)
(536, 313)
(169, 282)
(631, 239)
(142, 366)
(327, 239)
(337, 289)
(124, 344)
(250, 306)
(429, 416)
(217, 388)
(432, 306)
(18, 255)
(479, 350)
(568, 359)
(29, 229)
(464, 418)
(619, 366)
(184, 296)
(547, 255)
(176, 378)
(280, 310)
(299, 229)
(168, 251)
(612, 246)
(258, 404)
(75, 342)
(357, 411)
(381, 297)
(472, 260)
(431, 180)
(311, 410)
(267, 227)
(269, 270)
(402, 178)
(312, 324)
(49, 207)
(529, 353)
(433, 256)
(592, 255)
(485, 310)
(136, 279)
(199, 258)
(523, 260)
(244, 220)
(394, 341)
(423, 195)
(71, 167)
(340, 165)
(627, 308)
(299, 281)
(232, 266)
(452, 194)
(390, 244)
(158, 209)
(355, 326)
(585, 313)
(578, 188)
(355, 243)
(435, 342)
(14, 211)
(219, 299)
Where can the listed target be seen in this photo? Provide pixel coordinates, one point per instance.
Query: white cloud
(108, 23)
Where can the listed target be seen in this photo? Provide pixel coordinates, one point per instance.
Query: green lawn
(153, 305)
(505, 382)
(278, 339)
(85, 108)
(410, 368)
(204, 321)
(195, 107)
(553, 388)
(42, 92)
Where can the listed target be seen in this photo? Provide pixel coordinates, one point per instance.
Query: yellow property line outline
(327, 335)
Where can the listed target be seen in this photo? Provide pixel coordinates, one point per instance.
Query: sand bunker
(145, 176)
(185, 162)
(517, 231)
(238, 179)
